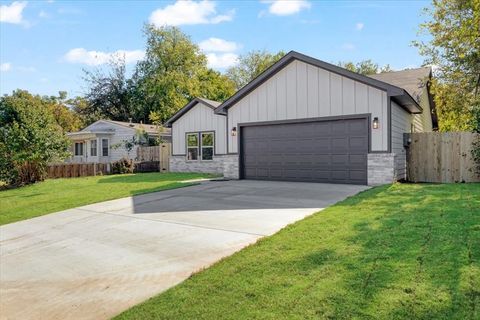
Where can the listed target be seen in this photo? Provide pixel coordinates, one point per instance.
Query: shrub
(123, 166)
(30, 138)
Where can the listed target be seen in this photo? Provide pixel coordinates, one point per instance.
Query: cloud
(359, 26)
(95, 58)
(222, 60)
(4, 67)
(26, 69)
(13, 13)
(189, 12)
(218, 45)
(286, 7)
(348, 46)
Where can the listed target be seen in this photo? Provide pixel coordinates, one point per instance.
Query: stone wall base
(227, 165)
(381, 168)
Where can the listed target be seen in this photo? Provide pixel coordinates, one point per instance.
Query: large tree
(252, 64)
(364, 67)
(109, 92)
(63, 114)
(173, 72)
(453, 48)
(30, 138)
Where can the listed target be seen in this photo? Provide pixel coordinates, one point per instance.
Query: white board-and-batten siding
(300, 91)
(199, 118)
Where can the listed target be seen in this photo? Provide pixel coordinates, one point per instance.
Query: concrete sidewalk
(95, 261)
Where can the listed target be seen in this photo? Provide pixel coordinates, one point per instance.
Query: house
(104, 140)
(306, 120)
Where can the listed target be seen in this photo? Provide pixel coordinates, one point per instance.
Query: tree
(365, 67)
(454, 50)
(109, 93)
(65, 117)
(251, 65)
(30, 138)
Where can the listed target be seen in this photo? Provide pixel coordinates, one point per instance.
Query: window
(105, 147)
(93, 148)
(192, 146)
(200, 145)
(207, 146)
(79, 148)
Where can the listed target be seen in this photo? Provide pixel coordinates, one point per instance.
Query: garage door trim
(366, 116)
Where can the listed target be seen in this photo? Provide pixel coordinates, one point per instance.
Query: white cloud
(218, 45)
(189, 12)
(222, 60)
(348, 46)
(13, 13)
(4, 67)
(359, 26)
(95, 58)
(286, 7)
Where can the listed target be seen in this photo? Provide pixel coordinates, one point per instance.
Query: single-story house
(306, 120)
(104, 140)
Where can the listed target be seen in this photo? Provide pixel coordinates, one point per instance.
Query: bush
(123, 166)
(30, 138)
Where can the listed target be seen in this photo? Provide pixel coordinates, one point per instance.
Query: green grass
(60, 194)
(395, 252)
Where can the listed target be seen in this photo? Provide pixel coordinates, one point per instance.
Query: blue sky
(44, 45)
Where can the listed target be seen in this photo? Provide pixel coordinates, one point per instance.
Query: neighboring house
(306, 120)
(104, 140)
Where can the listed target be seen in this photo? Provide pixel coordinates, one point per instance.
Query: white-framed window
(93, 148)
(208, 145)
(79, 148)
(104, 147)
(200, 146)
(192, 146)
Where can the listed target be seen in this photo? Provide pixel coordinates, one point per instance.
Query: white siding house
(104, 141)
(307, 120)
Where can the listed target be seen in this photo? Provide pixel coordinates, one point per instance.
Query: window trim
(91, 148)
(199, 145)
(107, 148)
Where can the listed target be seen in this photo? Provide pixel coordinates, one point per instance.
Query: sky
(46, 44)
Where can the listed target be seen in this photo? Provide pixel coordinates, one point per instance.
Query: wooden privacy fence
(160, 154)
(73, 170)
(441, 157)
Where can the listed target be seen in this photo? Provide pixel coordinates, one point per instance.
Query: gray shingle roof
(412, 80)
(149, 128)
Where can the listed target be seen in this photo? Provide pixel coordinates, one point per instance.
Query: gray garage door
(333, 151)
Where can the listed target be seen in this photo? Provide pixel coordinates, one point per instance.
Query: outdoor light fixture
(234, 131)
(375, 123)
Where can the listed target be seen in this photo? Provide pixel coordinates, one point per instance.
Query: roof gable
(402, 97)
(209, 103)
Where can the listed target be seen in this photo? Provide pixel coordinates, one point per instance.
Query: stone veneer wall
(381, 168)
(221, 164)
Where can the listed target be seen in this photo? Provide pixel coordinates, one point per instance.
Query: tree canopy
(30, 138)
(364, 67)
(251, 65)
(454, 51)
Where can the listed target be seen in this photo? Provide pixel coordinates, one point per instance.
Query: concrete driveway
(95, 261)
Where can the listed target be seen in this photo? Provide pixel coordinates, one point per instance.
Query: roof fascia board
(185, 109)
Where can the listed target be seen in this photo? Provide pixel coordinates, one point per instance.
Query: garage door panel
(324, 151)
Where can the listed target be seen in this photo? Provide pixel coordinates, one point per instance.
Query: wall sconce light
(234, 131)
(375, 123)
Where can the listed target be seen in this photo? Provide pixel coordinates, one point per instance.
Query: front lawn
(60, 194)
(395, 252)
